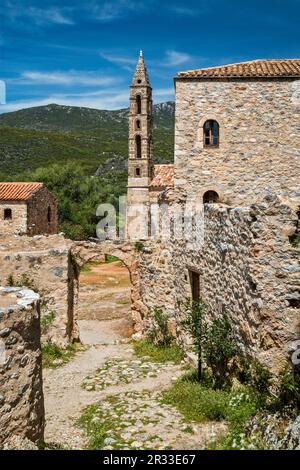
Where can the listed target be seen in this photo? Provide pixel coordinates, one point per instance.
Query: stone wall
(259, 150)
(42, 213)
(18, 222)
(21, 391)
(45, 264)
(247, 267)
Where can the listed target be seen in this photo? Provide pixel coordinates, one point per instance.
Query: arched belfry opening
(138, 102)
(138, 146)
(211, 197)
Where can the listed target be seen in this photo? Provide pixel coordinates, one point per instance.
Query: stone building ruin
(237, 156)
(27, 209)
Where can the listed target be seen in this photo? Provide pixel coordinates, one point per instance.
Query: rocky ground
(124, 390)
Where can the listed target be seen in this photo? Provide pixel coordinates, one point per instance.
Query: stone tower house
(145, 179)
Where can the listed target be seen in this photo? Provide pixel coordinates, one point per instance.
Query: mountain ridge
(38, 137)
(54, 117)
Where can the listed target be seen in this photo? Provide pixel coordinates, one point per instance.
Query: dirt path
(108, 368)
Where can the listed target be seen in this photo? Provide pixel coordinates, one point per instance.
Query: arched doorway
(104, 301)
(210, 197)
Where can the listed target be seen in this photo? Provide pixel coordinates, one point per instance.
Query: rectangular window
(137, 172)
(7, 214)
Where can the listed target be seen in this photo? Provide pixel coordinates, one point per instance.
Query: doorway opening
(104, 302)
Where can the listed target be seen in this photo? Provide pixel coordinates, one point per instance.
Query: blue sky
(83, 53)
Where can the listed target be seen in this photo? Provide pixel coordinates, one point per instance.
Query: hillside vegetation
(79, 153)
(38, 137)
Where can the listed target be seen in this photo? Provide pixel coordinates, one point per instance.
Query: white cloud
(51, 15)
(14, 10)
(108, 101)
(175, 58)
(111, 10)
(71, 77)
(118, 59)
(111, 98)
(183, 11)
(163, 94)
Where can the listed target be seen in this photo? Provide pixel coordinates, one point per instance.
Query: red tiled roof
(18, 191)
(163, 176)
(270, 68)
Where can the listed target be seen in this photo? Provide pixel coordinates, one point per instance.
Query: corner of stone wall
(21, 389)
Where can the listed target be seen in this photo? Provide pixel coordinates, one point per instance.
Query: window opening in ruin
(138, 144)
(210, 197)
(49, 215)
(211, 133)
(195, 285)
(137, 172)
(138, 124)
(7, 214)
(138, 104)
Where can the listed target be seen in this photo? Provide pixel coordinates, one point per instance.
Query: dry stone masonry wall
(247, 267)
(259, 149)
(21, 391)
(44, 264)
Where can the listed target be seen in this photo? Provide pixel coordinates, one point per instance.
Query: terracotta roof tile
(270, 68)
(18, 191)
(163, 176)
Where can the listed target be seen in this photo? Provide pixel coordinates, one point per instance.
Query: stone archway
(88, 251)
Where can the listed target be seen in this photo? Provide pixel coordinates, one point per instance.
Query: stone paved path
(66, 396)
(126, 390)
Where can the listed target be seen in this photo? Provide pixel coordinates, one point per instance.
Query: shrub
(159, 333)
(195, 326)
(219, 348)
(47, 320)
(139, 246)
(289, 387)
(257, 377)
(23, 281)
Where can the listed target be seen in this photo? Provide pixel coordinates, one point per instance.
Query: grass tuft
(54, 356)
(170, 353)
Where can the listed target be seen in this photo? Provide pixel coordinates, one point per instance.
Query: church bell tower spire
(140, 158)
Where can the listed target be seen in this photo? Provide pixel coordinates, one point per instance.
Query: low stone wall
(21, 391)
(247, 267)
(44, 263)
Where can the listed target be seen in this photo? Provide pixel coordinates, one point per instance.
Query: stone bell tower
(140, 158)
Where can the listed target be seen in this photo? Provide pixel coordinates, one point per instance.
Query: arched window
(138, 124)
(138, 104)
(138, 145)
(210, 197)
(7, 214)
(137, 172)
(211, 133)
(49, 215)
